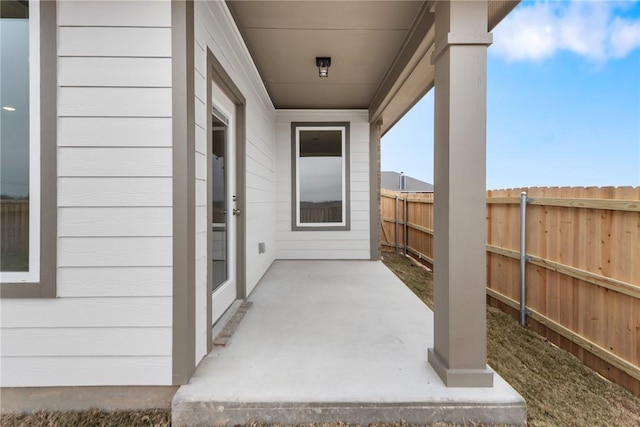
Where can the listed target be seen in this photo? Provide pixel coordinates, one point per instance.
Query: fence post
(523, 258)
(404, 237)
(397, 215)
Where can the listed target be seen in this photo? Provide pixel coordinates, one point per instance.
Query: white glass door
(222, 187)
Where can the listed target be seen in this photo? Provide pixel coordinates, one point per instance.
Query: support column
(460, 59)
(374, 189)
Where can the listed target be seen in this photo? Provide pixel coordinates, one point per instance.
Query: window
(28, 143)
(320, 176)
(18, 176)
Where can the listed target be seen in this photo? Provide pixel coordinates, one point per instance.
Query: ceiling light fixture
(323, 64)
(7, 108)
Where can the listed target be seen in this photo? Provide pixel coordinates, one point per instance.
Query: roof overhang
(381, 52)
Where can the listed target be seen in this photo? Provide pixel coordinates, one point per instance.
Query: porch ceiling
(380, 50)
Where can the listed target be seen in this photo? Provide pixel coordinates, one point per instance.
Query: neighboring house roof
(390, 180)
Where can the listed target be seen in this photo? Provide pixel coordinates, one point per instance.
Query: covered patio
(334, 341)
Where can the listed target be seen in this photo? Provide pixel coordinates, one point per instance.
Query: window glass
(320, 175)
(219, 199)
(14, 135)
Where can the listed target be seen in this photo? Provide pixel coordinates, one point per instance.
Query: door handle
(236, 211)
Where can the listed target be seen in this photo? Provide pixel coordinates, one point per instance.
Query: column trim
(183, 146)
(459, 377)
(459, 349)
(459, 39)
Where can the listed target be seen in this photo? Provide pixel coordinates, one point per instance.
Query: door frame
(216, 73)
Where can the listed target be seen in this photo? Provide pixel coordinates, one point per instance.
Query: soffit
(380, 50)
(361, 37)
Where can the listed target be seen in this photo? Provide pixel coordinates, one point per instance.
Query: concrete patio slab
(330, 341)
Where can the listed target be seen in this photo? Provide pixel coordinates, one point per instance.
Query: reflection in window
(219, 202)
(14, 135)
(320, 176)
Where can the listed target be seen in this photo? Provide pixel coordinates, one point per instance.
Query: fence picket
(583, 277)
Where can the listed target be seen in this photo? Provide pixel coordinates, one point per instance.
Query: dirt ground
(559, 390)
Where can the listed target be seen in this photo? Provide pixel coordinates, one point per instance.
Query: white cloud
(625, 36)
(595, 30)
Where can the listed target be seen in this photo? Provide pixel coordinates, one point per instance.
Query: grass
(93, 418)
(558, 388)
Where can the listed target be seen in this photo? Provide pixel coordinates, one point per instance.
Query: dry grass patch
(93, 418)
(558, 388)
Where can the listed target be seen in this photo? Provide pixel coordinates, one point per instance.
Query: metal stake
(523, 258)
(397, 215)
(405, 227)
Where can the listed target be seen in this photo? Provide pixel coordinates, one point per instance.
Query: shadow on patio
(334, 341)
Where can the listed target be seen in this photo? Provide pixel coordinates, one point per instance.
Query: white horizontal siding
(111, 321)
(303, 237)
(115, 161)
(132, 13)
(114, 102)
(328, 245)
(324, 254)
(351, 244)
(201, 166)
(61, 342)
(115, 251)
(115, 222)
(114, 72)
(201, 140)
(118, 312)
(85, 371)
(201, 219)
(114, 132)
(81, 282)
(94, 192)
(111, 41)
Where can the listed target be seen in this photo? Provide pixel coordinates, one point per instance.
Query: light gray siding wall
(111, 323)
(215, 30)
(352, 244)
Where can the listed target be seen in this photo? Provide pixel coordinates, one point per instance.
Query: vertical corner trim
(183, 143)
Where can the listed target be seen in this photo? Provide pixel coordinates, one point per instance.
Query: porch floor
(330, 341)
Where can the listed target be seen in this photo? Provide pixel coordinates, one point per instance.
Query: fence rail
(582, 269)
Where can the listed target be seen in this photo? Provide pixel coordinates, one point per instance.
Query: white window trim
(343, 223)
(33, 275)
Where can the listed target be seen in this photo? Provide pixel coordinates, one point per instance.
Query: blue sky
(563, 100)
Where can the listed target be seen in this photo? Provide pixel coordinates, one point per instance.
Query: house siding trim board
(47, 286)
(183, 126)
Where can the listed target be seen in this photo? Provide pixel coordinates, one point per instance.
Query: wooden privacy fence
(320, 212)
(14, 224)
(582, 269)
